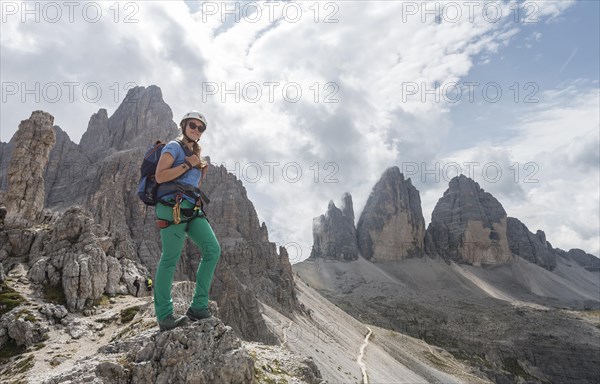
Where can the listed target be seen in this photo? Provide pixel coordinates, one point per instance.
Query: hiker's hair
(197, 149)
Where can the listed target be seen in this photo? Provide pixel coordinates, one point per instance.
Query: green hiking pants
(173, 238)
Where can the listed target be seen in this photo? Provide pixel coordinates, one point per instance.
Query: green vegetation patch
(20, 367)
(103, 301)
(11, 349)
(128, 314)
(261, 376)
(9, 299)
(128, 330)
(512, 365)
(55, 294)
(38, 346)
(436, 360)
(27, 315)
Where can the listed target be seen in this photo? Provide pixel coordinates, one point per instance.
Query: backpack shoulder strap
(185, 148)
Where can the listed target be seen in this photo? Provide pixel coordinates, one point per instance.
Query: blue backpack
(148, 187)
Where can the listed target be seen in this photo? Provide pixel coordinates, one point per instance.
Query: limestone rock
(73, 259)
(391, 226)
(5, 155)
(586, 260)
(142, 117)
(533, 248)
(75, 328)
(288, 366)
(17, 242)
(2, 215)
(334, 233)
(113, 276)
(68, 176)
(24, 327)
(468, 225)
(32, 143)
(239, 307)
(54, 312)
(201, 352)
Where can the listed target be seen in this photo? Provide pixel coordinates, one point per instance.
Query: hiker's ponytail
(196, 148)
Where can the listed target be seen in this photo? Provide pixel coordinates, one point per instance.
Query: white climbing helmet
(194, 115)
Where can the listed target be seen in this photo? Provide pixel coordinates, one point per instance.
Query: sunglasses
(200, 128)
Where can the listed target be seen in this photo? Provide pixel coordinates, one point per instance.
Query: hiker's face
(194, 128)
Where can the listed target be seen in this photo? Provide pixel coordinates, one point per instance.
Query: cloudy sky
(308, 100)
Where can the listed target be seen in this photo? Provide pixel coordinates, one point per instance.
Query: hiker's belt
(189, 214)
(187, 189)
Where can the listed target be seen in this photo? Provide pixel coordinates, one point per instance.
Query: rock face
(391, 226)
(536, 249)
(334, 233)
(468, 225)
(5, 155)
(72, 257)
(203, 352)
(22, 326)
(31, 144)
(68, 174)
(142, 117)
(533, 248)
(250, 267)
(586, 260)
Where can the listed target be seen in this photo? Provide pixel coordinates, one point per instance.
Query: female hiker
(179, 212)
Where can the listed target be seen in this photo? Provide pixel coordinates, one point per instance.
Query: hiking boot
(171, 322)
(198, 314)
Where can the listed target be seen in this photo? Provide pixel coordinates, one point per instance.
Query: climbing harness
(188, 214)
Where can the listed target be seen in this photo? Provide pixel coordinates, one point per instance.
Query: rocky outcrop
(72, 256)
(204, 352)
(5, 155)
(54, 312)
(32, 143)
(289, 368)
(334, 233)
(533, 248)
(23, 327)
(468, 225)
(391, 226)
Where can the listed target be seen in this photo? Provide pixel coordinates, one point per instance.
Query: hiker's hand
(203, 164)
(194, 160)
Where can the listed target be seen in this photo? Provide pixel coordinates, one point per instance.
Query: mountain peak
(348, 206)
(392, 221)
(142, 117)
(467, 223)
(334, 234)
